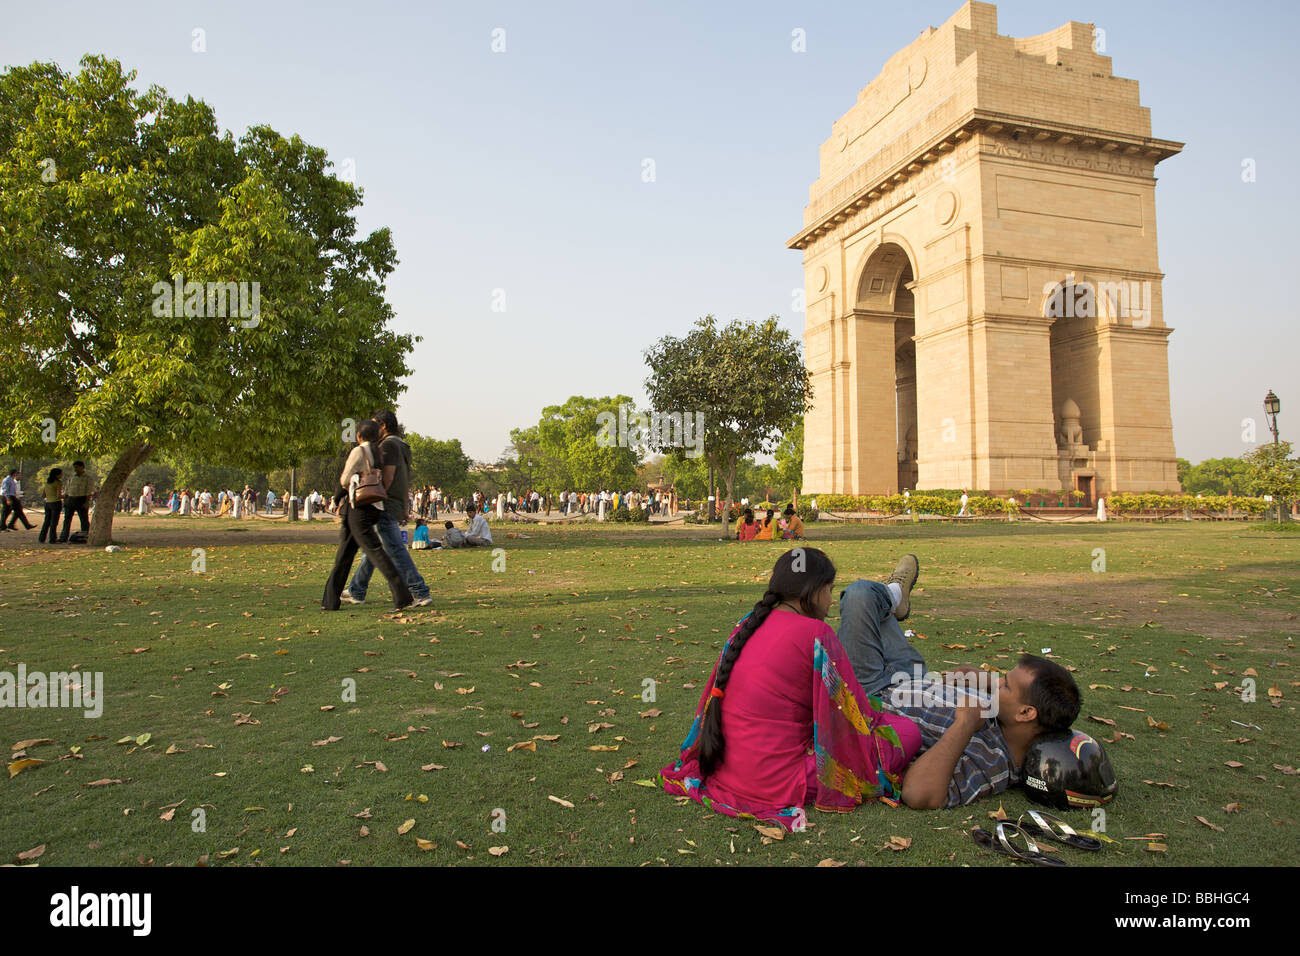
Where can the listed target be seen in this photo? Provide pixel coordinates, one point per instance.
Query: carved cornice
(1018, 137)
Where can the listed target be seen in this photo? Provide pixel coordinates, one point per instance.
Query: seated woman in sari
(767, 529)
(747, 527)
(782, 721)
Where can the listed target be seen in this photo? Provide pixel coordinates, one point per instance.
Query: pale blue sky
(521, 170)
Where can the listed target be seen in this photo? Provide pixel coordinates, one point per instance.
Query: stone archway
(942, 166)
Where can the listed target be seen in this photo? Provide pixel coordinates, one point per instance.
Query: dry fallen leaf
(498, 850)
(561, 802)
(32, 854)
(775, 833)
(24, 744)
(425, 844)
(998, 814)
(1157, 848)
(433, 766)
(1212, 826)
(405, 828)
(1232, 808)
(523, 745)
(603, 748)
(898, 843)
(18, 766)
(1103, 720)
(1234, 764)
(102, 783)
(829, 862)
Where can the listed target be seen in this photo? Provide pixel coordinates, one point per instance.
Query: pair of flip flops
(1032, 824)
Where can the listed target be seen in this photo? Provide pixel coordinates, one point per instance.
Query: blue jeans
(872, 638)
(390, 535)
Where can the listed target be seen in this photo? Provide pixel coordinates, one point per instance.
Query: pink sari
(798, 729)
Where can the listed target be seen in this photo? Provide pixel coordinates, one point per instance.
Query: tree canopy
(110, 199)
(746, 378)
(564, 451)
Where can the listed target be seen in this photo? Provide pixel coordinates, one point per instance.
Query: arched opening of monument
(886, 300)
(1075, 315)
(905, 380)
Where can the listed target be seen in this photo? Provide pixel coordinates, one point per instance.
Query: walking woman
(53, 506)
(783, 721)
(357, 528)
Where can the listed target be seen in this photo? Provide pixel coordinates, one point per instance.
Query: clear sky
(521, 170)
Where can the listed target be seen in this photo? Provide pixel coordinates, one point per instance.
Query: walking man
(12, 492)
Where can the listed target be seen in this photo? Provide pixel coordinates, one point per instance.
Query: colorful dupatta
(859, 755)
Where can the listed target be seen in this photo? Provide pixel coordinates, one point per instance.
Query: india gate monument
(981, 276)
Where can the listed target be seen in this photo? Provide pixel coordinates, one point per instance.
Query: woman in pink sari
(782, 722)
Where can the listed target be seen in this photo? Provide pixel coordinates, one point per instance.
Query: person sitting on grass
(454, 537)
(792, 526)
(420, 537)
(478, 534)
(970, 749)
(768, 528)
(782, 721)
(747, 527)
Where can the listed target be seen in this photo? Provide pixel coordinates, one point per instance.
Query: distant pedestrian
(76, 500)
(12, 492)
(53, 506)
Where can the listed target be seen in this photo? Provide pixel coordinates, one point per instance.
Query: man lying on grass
(976, 726)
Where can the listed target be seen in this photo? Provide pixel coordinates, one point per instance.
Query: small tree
(1272, 471)
(747, 379)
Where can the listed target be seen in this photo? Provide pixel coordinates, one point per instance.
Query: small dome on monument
(1070, 409)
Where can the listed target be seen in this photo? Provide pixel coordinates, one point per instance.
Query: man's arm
(925, 783)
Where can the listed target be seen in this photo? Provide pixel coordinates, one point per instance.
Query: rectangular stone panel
(1084, 203)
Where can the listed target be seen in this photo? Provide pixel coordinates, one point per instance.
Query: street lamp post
(1272, 405)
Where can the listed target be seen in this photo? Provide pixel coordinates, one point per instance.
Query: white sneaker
(423, 602)
(347, 598)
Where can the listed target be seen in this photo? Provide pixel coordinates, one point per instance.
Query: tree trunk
(101, 523)
(729, 476)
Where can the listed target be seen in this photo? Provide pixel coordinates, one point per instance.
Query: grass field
(239, 679)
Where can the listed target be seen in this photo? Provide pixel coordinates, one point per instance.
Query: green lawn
(230, 672)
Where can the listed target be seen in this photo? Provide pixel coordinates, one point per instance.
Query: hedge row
(1119, 504)
(923, 503)
(1129, 503)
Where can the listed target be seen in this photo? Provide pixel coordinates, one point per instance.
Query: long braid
(711, 743)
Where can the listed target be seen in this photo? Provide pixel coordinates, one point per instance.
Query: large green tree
(572, 449)
(1214, 476)
(747, 379)
(107, 194)
(442, 464)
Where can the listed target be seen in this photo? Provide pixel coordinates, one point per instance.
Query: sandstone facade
(982, 286)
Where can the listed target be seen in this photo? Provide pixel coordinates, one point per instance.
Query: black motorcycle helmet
(1068, 770)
